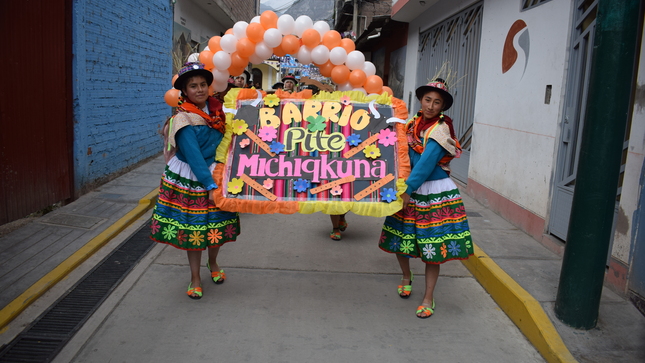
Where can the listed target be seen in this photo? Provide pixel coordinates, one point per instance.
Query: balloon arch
(309, 42)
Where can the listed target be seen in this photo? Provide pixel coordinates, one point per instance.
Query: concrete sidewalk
(295, 295)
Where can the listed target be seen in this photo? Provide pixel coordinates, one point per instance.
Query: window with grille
(530, 4)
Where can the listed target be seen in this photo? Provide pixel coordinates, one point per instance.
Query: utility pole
(355, 19)
(607, 112)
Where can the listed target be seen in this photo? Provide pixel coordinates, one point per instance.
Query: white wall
(634, 167)
(201, 25)
(515, 132)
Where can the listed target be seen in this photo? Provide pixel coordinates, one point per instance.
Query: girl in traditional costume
(185, 215)
(432, 224)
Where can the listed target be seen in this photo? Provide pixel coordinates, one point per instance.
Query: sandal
(218, 277)
(197, 291)
(406, 290)
(342, 226)
(335, 236)
(428, 311)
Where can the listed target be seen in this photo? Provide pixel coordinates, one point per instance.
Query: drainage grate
(49, 333)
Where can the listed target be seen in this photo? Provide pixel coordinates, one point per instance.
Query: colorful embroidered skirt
(184, 216)
(433, 227)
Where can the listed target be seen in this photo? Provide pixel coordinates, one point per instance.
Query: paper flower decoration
(301, 185)
(354, 139)
(277, 147)
(386, 137)
(239, 127)
(316, 123)
(244, 143)
(372, 152)
(267, 133)
(345, 100)
(271, 100)
(268, 183)
(235, 186)
(337, 190)
(388, 195)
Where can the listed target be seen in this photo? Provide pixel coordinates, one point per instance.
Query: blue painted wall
(122, 67)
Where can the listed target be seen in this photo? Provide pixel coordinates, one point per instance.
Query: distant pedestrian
(290, 83)
(243, 80)
(432, 224)
(185, 215)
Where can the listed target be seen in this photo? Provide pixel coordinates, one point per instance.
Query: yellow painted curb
(520, 306)
(14, 308)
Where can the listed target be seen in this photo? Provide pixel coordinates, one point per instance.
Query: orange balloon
(269, 19)
(237, 61)
(357, 78)
(311, 38)
(348, 45)
(387, 90)
(255, 32)
(229, 31)
(206, 57)
(213, 44)
(331, 39)
(172, 97)
(245, 47)
(340, 74)
(174, 78)
(373, 84)
(290, 44)
(278, 51)
(325, 69)
(235, 71)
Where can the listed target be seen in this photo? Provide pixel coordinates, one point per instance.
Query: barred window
(530, 4)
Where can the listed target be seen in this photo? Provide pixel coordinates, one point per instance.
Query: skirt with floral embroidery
(184, 216)
(433, 227)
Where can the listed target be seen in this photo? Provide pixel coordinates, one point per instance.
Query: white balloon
(322, 27)
(255, 59)
(369, 68)
(262, 50)
(228, 43)
(220, 76)
(272, 37)
(239, 29)
(320, 54)
(303, 23)
(207, 48)
(286, 24)
(355, 60)
(338, 55)
(304, 55)
(360, 89)
(193, 57)
(345, 87)
(220, 87)
(256, 19)
(222, 60)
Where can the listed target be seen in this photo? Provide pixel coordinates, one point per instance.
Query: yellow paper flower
(372, 152)
(235, 186)
(271, 100)
(239, 127)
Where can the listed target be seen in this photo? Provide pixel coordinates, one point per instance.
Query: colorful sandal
(406, 290)
(428, 311)
(194, 290)
(335, 236)
(342, 225)
(218, 277)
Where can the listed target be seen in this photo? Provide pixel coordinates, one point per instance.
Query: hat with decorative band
(440, 86)
(192, 69)
(289, 77)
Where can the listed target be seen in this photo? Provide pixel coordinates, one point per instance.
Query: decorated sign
(333, 152)
(286, 153)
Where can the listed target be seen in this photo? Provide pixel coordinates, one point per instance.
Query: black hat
(440, 86)
(192, 69)
(289, 77)
(278, 85)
